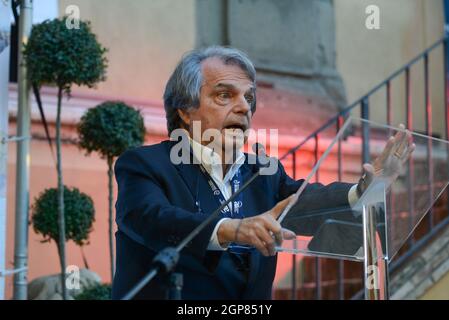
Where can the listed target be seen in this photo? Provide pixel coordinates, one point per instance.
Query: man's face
(225, 103)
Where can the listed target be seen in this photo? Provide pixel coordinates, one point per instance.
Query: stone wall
(292, 43)
(423, 271)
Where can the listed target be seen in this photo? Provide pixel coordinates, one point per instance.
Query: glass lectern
(374, 226)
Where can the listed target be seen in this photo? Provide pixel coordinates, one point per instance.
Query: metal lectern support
(375, 264)
(375, 255)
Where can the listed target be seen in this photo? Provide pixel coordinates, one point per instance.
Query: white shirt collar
(211, 161)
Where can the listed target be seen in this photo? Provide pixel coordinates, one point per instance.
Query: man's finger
(261, 247)
(403, 148)
(398, 138)
(279, 207)
(369, 169)
(278, 238)
(400, 134)
(409, 152)
(388, 147)
(401, 142)
(275, 229)
(288, 234)
(268, 240)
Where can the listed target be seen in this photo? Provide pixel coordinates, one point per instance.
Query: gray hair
(183, 88)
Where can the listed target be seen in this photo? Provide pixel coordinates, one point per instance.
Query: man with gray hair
(209, 100)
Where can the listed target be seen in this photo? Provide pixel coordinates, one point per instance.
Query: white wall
(145, 38)
(366, 57)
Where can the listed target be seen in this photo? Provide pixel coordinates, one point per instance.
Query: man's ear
(185, 117)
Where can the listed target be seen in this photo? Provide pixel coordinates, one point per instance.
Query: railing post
(446, 93)
(390, 199)
(316, 158)
(294, 290)
(446, 68)
(365, 131)
(341, 265)
(388, 101)
(339, 168)
(428, 107)
(410, 166)
(317, 260)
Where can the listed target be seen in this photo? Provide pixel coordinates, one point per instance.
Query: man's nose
(242, 106)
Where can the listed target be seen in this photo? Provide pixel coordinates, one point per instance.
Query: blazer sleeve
(306, 216)
(144, 213)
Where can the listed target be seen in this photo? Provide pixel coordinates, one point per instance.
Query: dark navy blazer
(156, 208)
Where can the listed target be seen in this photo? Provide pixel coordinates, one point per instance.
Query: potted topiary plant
(111, 128)
(79, 213)
(58, 56)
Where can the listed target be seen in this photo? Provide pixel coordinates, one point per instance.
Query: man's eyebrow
(232, 87)
(225, 86)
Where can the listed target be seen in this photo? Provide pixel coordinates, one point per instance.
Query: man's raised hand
(391, 161)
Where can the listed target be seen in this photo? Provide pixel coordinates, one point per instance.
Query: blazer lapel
(189, 175)
(250, 202)
(204, 201)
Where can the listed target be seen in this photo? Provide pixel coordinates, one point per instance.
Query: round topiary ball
(110, 129)
(79, 215)
(62, 56)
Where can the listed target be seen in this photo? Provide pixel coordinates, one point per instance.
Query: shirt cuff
(352, 195)
(214, 244)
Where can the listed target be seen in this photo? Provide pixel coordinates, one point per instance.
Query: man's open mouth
(235, 127)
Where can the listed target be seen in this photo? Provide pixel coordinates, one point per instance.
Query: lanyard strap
(236, 205)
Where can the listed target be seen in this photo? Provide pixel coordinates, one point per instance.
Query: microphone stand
(166, 260)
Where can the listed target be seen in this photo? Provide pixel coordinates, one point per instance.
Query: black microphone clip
(263, 161)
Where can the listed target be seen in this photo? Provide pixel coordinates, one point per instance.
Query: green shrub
(110, 129)
(96, 292)
(61, 56)
(79, 215)
(57, 55)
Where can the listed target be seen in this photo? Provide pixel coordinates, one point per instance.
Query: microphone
(167, 258)
(259, 150)
(265, 164)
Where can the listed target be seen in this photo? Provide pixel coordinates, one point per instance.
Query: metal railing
(363, 104)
